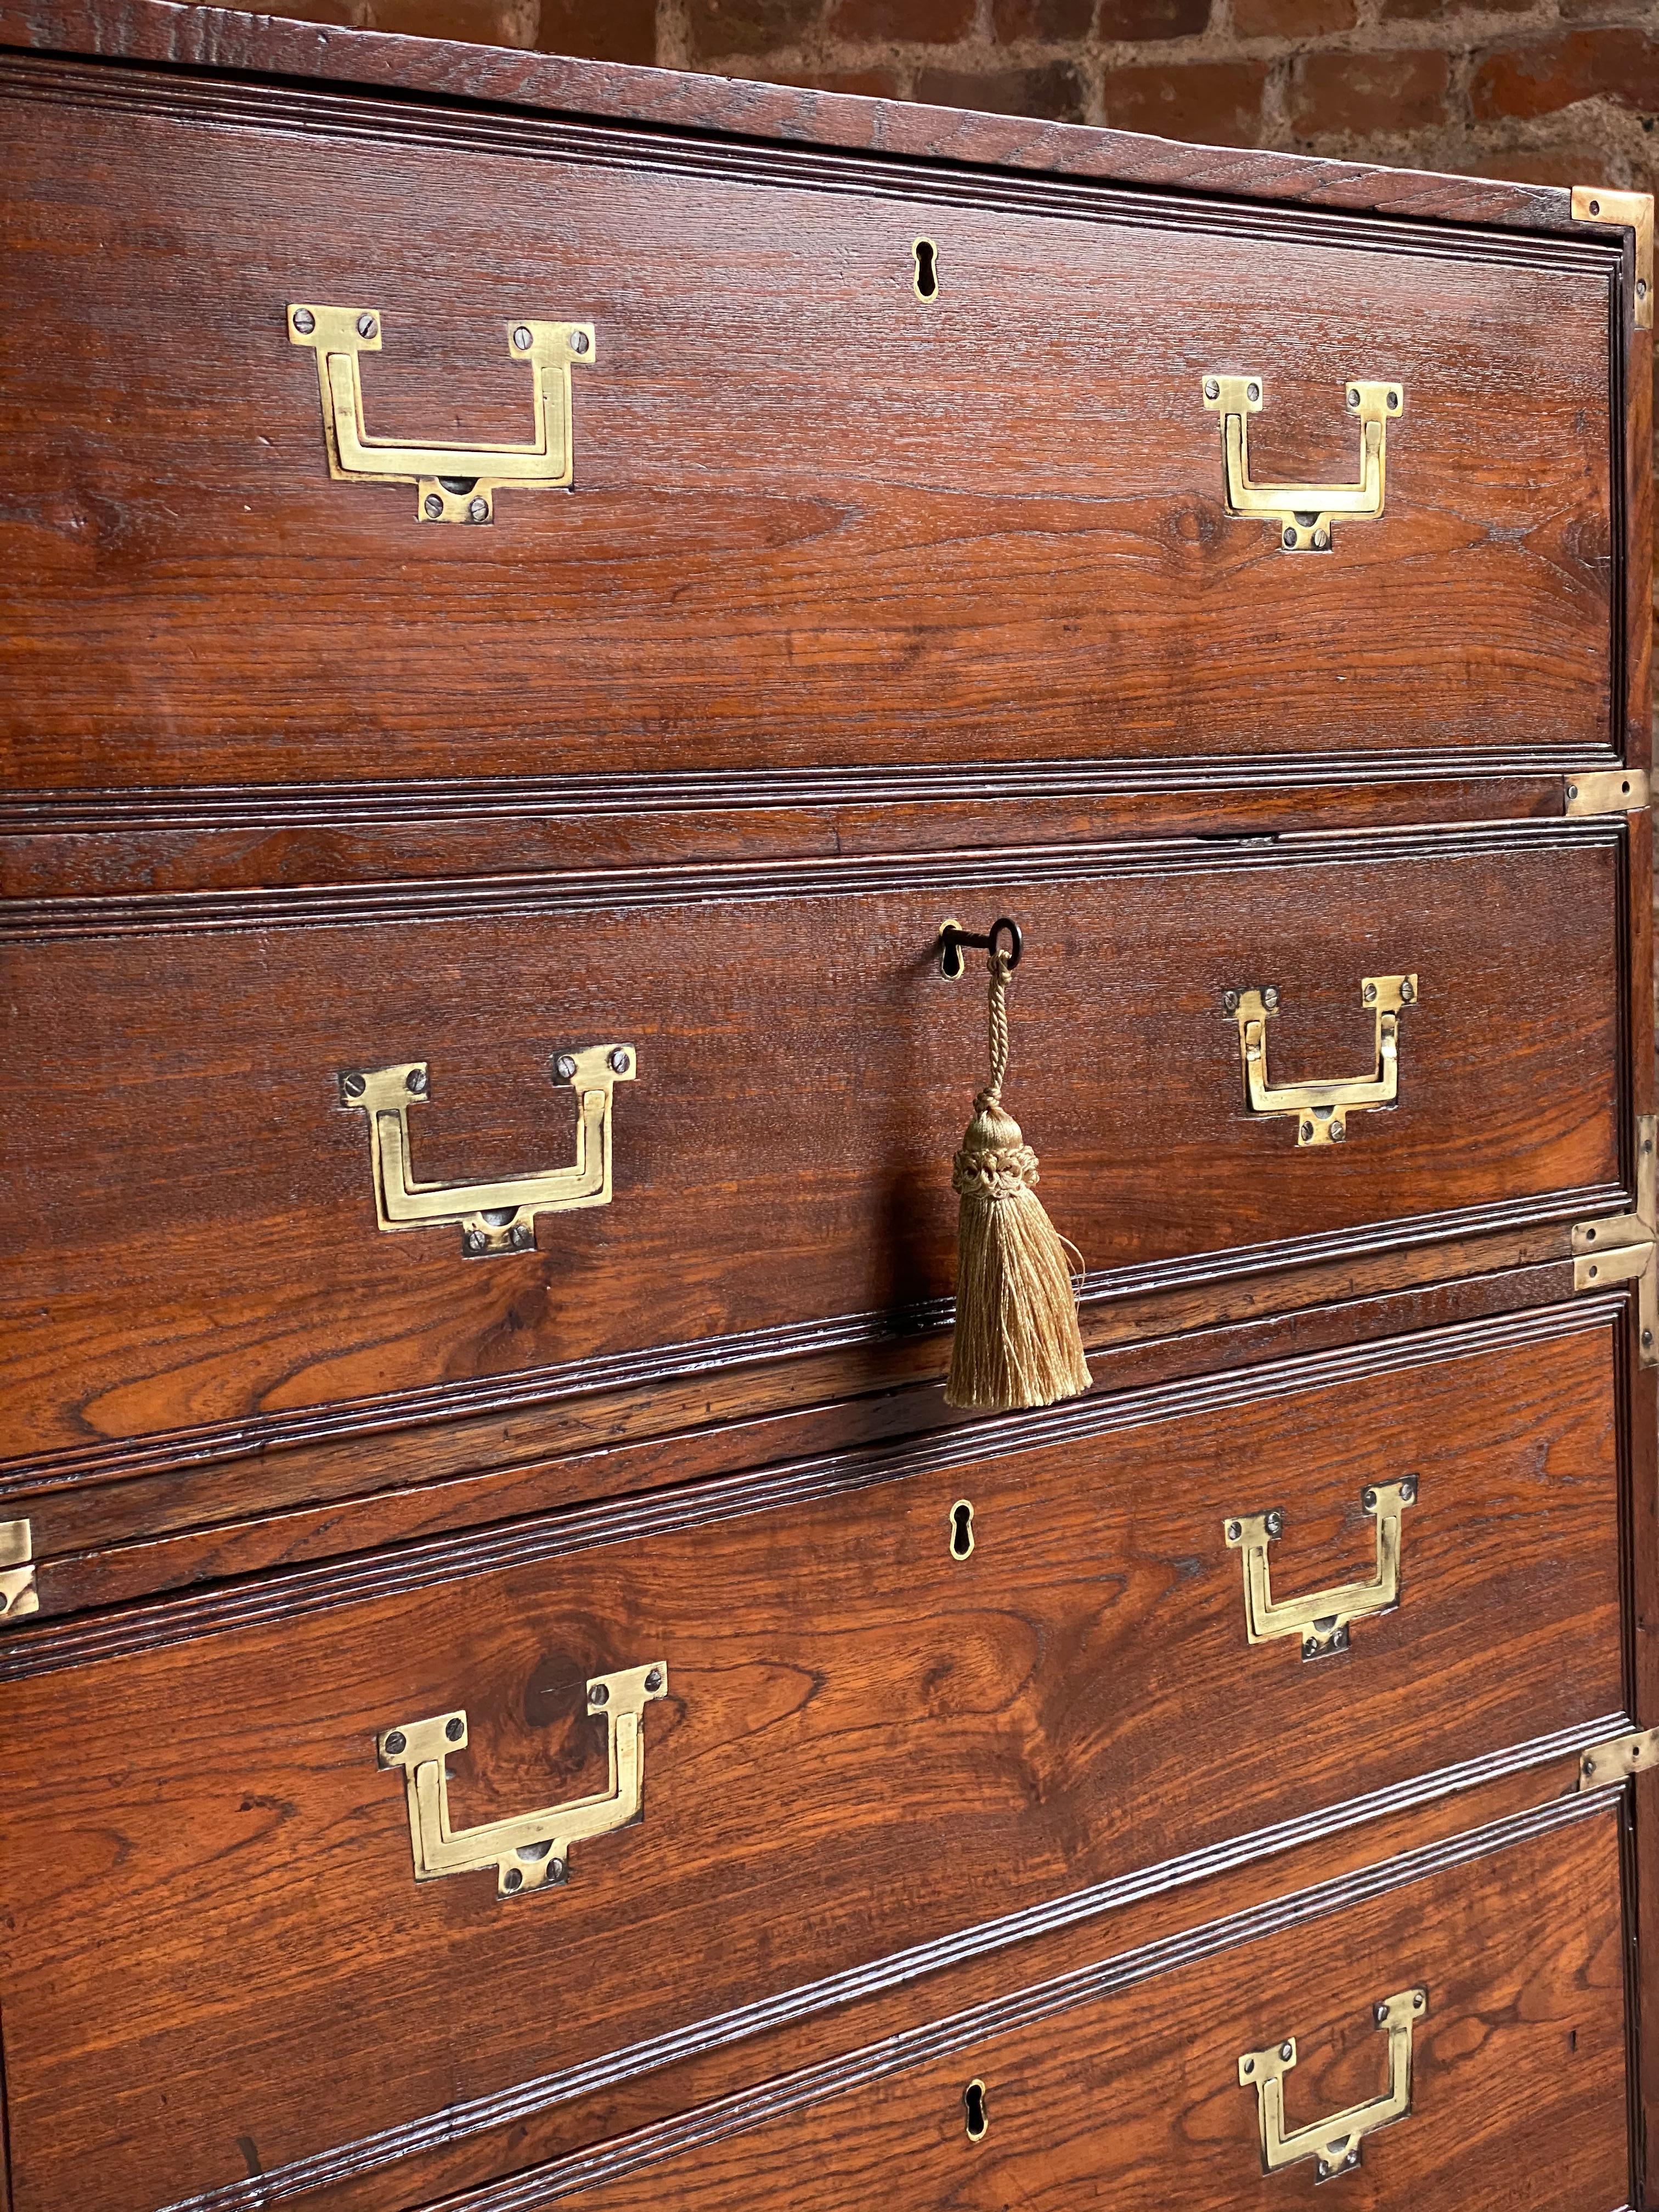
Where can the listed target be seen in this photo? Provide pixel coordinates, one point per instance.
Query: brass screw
(1353, 396)
(1408, 1489)
(1270, 996)
(353, 1085)
(653, 1680)
(512, 1878)
(416, 1080)
(1234, 1531)
(367, 326)
(565, 1067)
(619, 1062)
(455, 1729)
(1339, 1131)
(1287, 2051)
(1249, 2065)
(304, 321)
(1253, 392)
(473, 1240)
(1370, 994)
(397, 1742)
(555, 1869)
(522, 338)
(1394, 399)
(1572, 791)
(1289, 536)
(1408, 992)
(1307, 1133)
(1369, 1500)
(579, 341)
(1211, 389)
(478, 510)
(1275, 1524)
(434, 505)
(598, 1694)
(1380, 2013)
(1321, 541)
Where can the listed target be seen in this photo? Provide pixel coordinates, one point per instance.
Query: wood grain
(815, 519)
(913, 1744)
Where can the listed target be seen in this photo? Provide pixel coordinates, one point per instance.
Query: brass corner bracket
(1607, 791)
(18, 1595)
(1604, 1764)
(1624, 211)
(1303, 513)
(1625, 1248)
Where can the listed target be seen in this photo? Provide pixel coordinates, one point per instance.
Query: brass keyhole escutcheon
(926, 275)
(962, 1529)
(976, 2118)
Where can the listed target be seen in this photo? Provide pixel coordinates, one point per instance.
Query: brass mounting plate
(1320, 1621)
(1610, 791)
(1320, 1110)
(1333, 2145)
(1618, 1758)
(18, 1595)
(1624, 211)
(1622, 1248)
(1303, 513)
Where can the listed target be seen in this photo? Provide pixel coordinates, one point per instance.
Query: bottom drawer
(1442, 2033)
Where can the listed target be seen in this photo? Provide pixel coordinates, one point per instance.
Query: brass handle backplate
(1322, 1621)
(1334, 2144)
(532, 1850)
(453, 483)
(492, 1217)
(1320, 1110)
(1303, 513)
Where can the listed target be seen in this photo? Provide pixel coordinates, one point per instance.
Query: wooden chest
(533, 592)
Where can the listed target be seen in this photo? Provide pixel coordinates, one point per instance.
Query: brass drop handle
(453, 483)
(1303, 512)
(492, 1217)
(1322, 1621)
(532, 1850)
(1320, 1110)
(1334, 2144)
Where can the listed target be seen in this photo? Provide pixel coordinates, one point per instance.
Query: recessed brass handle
(1320, 1110)
(492, 1217)
(532, 1851)
(1322, 1620)
(453, 483)
(1303, 512)
(1334, 2144)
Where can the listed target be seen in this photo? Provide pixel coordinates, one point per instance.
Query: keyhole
(973, 2104)
(926, 269)
(962, 1530)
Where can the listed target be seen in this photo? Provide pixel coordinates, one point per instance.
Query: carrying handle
(1303, 512)
(1322, 1620)
(1334, 2144)
(1320, 1110)
(532, 1850)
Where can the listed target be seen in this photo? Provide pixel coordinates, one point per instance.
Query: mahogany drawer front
(858, 1736)
(817, 521)
(200, 1216)
(1121, 2085)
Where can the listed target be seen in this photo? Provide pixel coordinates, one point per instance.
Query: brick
(621, 31)
(921, 22)
(1620, 63)
(1133, 20)
(873, 83)
(1292, 19)
(1049, 20)
(1214, 103)
(1367, 94)
(481, 22)
(1054, 92)
(749, 26)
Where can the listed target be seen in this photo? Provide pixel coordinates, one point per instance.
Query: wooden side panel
(815, 519)
(194, 1211)
(868, 1746)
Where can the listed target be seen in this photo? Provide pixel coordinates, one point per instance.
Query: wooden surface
(783, 1162)
(915, 1743)
(816, 520)
(1131, 2097)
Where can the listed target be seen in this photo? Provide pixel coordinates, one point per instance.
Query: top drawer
(815, 518)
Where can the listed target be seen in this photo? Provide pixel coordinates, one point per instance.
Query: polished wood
(916, 1742)
(876, 529)
(805, 1074)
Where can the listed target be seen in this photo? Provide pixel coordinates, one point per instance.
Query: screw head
(367, 326)
(1290, 537)
(523, 338)
(397, 1743)
(555, 1869)
(1572, 791)
(304, 321)
(433, 505)
(1641, 288)
(1595, 207)
(565, 1067)
(1352, 2158)
(1394, 399)
(1339, 1132)
(1370, 994)
(1270, 996)
(1230, 1001)
(416, 1080)
(353, 1085)
(1307, 1133)
(1408, 992)
(1589, 1237)
(1234, 1531)
(477, 510)
(1321, 541)
(1253, 392)
(1589, 1765)
(1408, 1489)
(619, 1062)
(1353, 395)
(1287, 2051)
(1309, 1648)
(1647, 1340)
(1249, 2066)
(513, 1879)
(455, 1729)
(1416, 1999)
(473, 1240)
(1368, 1500)
(579, 342)
(1379, 2013)
(1275, 1524)
(598, 1694)
(1211, 388)
(1593, 1273)
(653, 1680)
(520, 1235)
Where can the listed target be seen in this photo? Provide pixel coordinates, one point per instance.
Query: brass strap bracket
(1603, 1764)
(453, 483)
(1334, 2144)
(1322, 1621)
(1320, 1110)
(1625, 1248)
(532, 1850)
(1611, 791)
(1303, 513)
(18, 1595)
(492, 1217)
(1631, 211)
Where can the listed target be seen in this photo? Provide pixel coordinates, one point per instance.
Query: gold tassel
(1016, 1340)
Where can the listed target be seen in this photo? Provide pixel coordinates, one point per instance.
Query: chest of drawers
(534, 591)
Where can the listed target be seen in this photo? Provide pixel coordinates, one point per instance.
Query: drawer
(199, 1212)
(814, 520)
(1495, 2076)
(854, 1717)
